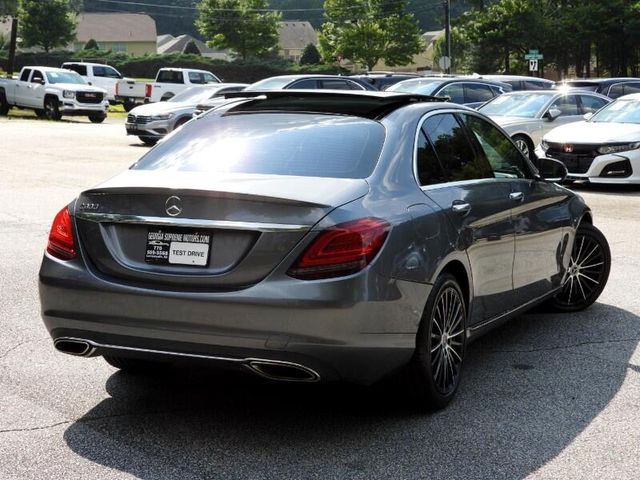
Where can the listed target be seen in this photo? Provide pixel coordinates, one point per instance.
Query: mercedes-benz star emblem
(173, 206)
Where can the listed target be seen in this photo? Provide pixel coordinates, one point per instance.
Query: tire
(4, 105)
(128, 105)
(135, 365)
(149, 140)
(40, 113)
(181, 122)
(97, 117)
(51, 110)
(525, 145)
(588, 271)
(432, 377)
(166, 97)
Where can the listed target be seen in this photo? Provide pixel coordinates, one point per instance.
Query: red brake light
(117, 89)
(147, 90)
(62, 243)
(341, 250)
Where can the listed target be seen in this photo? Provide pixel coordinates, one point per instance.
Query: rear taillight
(62, 243)
(147, 90)
(117, 89)
(341, 250)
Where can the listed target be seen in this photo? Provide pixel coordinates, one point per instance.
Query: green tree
(46, 23)
(310, 55)
(241, 25)
(366, 31)
(8, 8)
(91, 45)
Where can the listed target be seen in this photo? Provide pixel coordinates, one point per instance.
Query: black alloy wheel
(51, 110)
(525, 146)
(434, 374)
(588, 271)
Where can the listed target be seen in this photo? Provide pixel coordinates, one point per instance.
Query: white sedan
(527, 115)
(603, 149)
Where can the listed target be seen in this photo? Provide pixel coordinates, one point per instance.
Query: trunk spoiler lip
(263, 227)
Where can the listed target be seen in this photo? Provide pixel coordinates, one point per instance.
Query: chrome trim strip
(191, 222)
(250, 363)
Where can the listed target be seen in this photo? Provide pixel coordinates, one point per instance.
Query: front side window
(503, 156)
(107, 72)
(335, 85)
(307, 84)
(454, 91)
(210, 78)
(454, 150)
(567, 104)
(37, 77)
(196, 77)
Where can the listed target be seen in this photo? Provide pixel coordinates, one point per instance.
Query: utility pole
(447, 32)
(12, 46)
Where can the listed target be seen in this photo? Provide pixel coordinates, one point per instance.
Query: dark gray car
(308, 236)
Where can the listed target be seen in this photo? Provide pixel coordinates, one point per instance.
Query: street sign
(533, 55)
(444, 62)
(533, 65)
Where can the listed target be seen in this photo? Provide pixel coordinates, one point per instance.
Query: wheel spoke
(584, 295)
(456, 354)
(588, 256)
(589, 278)
(586, 267)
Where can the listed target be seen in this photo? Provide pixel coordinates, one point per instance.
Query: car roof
(631, 96)
(360, 103)
(502, 78)
(88, 63)
(46, 69)
(597, 81)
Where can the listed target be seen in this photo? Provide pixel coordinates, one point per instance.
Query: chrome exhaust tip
(74, 346)
(282, 371)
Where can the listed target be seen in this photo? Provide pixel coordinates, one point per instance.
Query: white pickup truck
(171, 81)
(52, 93)
(119, 89)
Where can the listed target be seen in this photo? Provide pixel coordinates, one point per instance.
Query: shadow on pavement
(633, 190)
(530, 388)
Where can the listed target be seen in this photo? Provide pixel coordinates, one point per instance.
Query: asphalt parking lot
(546, 396)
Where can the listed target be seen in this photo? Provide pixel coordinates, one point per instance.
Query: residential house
(293, 37)
(131, 33)
(170, 44)
(422, 62)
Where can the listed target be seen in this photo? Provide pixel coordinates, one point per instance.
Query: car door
(22, 87)
(478, 206)
(539, 212)
(36, 90)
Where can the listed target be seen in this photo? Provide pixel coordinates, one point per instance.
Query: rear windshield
(310, 145)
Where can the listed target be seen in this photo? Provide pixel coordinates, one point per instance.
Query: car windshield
(194, 95)
(311, 145)
(525, 105)
(620, 111)
(421, 86)
(277, 83)
(65, 77)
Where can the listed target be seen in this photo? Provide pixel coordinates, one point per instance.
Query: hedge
(147, 66)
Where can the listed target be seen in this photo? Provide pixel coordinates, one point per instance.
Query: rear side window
(311, 145)
(79, 69)
(428, 167)
(454, 150)
(24, 77)
(476, 93)
(455, 92)
(591, 104)
(170, 76)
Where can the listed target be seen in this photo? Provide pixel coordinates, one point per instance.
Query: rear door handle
(461, 208)
(516, 196)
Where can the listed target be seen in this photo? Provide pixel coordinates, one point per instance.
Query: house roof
(162, 39)
(178, 44)
(430, 37)
(296, 35)
(116, 27)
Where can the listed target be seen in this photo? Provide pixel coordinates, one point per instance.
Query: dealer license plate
(178, 247)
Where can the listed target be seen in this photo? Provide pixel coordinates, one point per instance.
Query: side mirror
(587, 115)
(40, 81)
(552, 170)
(552, 114)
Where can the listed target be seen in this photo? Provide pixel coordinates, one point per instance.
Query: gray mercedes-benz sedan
(306, 236)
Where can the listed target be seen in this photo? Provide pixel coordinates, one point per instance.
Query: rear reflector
(342, 250)
(62, 243)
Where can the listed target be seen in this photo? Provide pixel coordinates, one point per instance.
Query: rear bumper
(357, 328)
